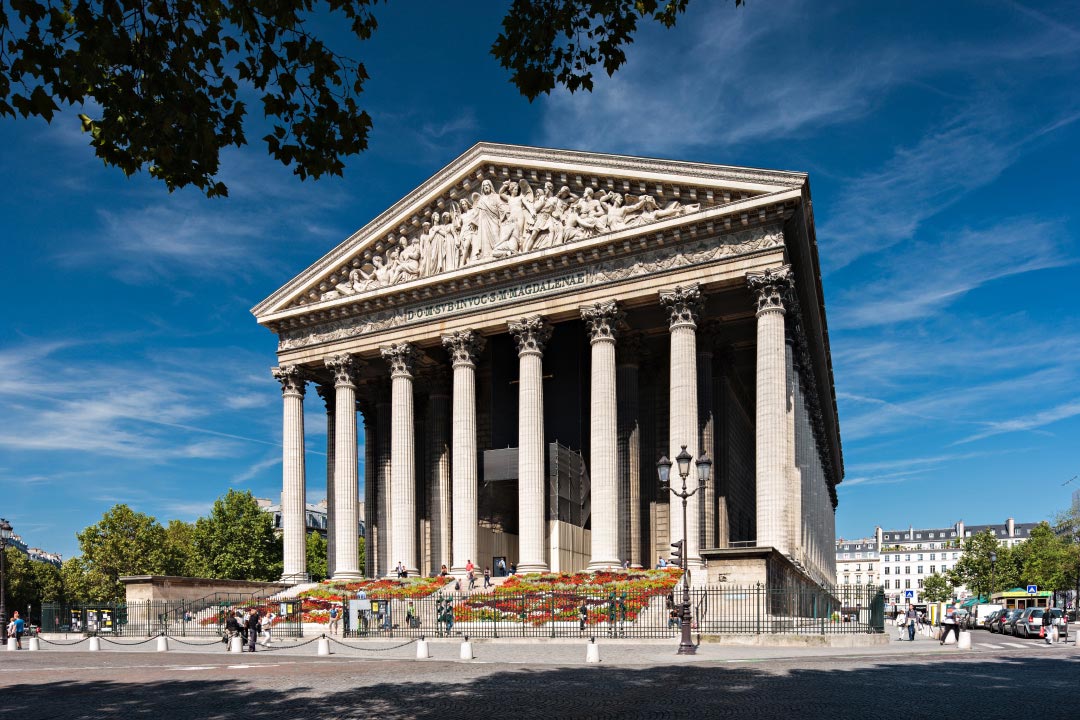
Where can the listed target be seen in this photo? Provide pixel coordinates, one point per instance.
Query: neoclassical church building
(526, 334)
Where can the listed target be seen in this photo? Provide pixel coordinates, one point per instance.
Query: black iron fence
(720, 610)
(177, 619)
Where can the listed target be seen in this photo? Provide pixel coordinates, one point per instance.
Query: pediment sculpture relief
(493, 224)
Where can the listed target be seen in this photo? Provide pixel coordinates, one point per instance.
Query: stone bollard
(11, 644)
(466, 649)
(35, 645)
(965, 640)
(592, 654)
(163, 644)
(95, 644)
(422, 649)
(324, 646)
(236, 644)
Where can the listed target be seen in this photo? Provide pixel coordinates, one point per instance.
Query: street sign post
(1032, 589)
(909, 594)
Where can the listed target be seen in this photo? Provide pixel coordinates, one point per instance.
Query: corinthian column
(628, 358)
(771, 446)
(601, 320)
(439, 493)
(683, 305)
(464, 346)
(346, 485)
(531, 333)
(292, 473)
(403, 456)
(326, 392)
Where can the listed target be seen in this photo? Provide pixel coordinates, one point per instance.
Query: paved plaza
(543, 680)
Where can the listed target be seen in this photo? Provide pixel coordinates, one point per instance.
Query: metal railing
(173, 618)
(718, 610)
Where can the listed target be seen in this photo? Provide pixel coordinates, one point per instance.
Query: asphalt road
(1025, 681)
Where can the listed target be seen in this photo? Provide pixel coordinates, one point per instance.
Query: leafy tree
(361, 553)
(74, 578)
(125, 542)
(974, 567)
(181, 556)
(237, 541)
(937, 588)
(1042, 559)
(164, 79)
(316, 556)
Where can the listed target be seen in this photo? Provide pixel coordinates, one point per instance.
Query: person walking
(487, 578)
(232, 629)
(1047, 623)
(266, 623)
(253, 628)
(583, 617)
(901, 623)
(910, 619)
(948, 624)
(19, 625)
(502, 567)
(335, 618)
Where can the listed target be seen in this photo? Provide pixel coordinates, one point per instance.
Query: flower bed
(557, 597)
(317, 600)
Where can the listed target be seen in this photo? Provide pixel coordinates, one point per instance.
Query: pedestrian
(910, 619)
(19, 627)
(583, 616)
(1047, 621)
(661, 563)
(469, 567)
(401, 572)
(411, 620)
(253, 628)
(443, 572)
(232, 628)
(948, 624)
(472, 580)
(266, 623)
(335, 618)
(513, 568)
(502, 567)
(625, 564)
(901, 621)
(487, 577)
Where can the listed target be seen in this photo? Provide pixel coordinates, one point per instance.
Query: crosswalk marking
(1016, 645)
(988, 645)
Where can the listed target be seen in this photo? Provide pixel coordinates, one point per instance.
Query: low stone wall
(852, 640)
(140, 588)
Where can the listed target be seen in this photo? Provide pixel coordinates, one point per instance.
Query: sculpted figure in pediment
(489, 213)
(409, 259)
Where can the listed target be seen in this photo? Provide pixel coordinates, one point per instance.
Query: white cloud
(1027, 422)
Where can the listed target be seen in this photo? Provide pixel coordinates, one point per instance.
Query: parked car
(981, 612)
(1030, 623)
(1008, 621)
(992, 620)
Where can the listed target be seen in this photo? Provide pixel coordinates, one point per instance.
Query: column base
(599, 565)
(295, 578)
(524, 568)
(348, 575)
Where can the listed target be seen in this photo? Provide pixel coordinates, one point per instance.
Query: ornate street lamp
(663, 470)
(5, 535)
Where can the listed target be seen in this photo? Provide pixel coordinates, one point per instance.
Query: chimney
(1010, 525)
(878, 536)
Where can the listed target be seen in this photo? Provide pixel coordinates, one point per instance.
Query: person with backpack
(948, 624)
(910, 619)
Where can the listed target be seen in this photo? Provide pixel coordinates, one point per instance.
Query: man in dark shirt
(253, 628)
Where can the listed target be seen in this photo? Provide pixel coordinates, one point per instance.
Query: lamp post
(5, 535)
(993, 562)
(663, 470)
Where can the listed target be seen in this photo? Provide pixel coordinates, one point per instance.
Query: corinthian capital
(602, 319)
(464, 346)
(400, 358)
(773, 288)
(291, 378)
(531, 334)
(683, 304)
(326, 392)
(345, 368)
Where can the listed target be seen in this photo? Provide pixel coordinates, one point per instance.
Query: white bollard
(965, 640)
(466, 649)
(163, 644)
(324, 646)
(236, 644)
(592, 654)
(95, 644)
(422, 649)
(34, 644)
(11, 644)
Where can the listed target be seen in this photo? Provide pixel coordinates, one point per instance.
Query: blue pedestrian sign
(911, 593)
(1032, 589)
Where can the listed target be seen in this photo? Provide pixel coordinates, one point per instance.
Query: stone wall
(140, 588)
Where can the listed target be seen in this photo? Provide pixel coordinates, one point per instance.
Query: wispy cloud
(1028, 422)
(253, 470)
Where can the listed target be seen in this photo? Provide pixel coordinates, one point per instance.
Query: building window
(907, 584)
(954, 555)
(858, 567)
(932, 556)
(858, 579)
(870, 567)
(918, 535)
(907, 558)
(920, 583)
(933, 569)
(886, 584)
(918, 570)
(886, 570)
(920, 556)
(907, 569)
(847, 580)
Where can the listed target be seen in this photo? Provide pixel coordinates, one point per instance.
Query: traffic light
(677, 553)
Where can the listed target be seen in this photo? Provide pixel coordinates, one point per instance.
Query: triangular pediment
(497, 204)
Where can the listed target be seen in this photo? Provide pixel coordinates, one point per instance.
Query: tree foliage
(124, 542)
(237, 540)
(937, 588)
(316, 556)
(974, 568)
(180, 554)
(164, 81)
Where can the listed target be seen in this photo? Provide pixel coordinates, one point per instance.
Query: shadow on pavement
(946, 687)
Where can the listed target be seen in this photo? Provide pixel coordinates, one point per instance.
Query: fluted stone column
(601, 320)
(326, 392)
(346, 481)
(683, 305)
(383, 463)
(403, 453)
(707, 431)
(370, 488)
(771, 441)
(293, 517)
(628, 358)
(531, 333)
(464, 347)
(438, 423)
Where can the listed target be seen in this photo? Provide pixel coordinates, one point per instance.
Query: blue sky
(942, 143)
